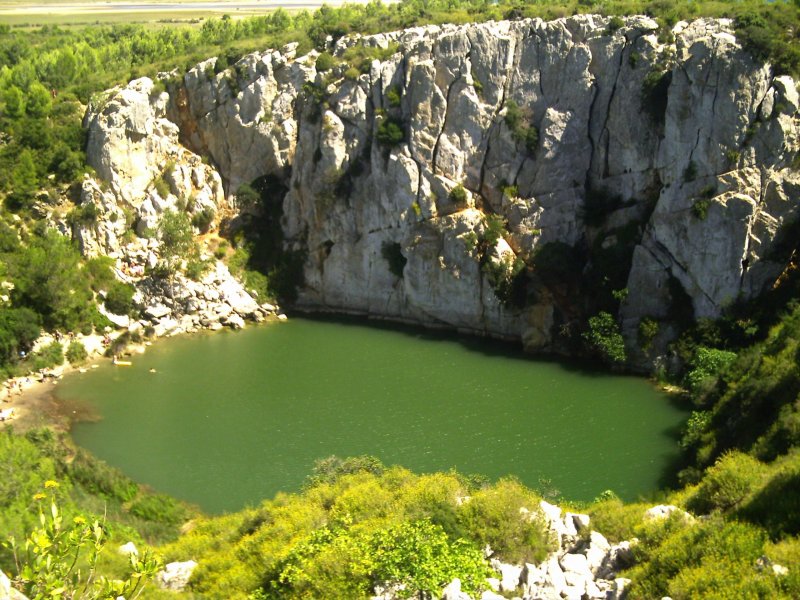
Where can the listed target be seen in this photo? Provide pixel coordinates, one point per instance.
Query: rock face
(584, 566)
(479, 174)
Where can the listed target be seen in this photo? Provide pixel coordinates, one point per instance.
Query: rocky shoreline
(182, 306)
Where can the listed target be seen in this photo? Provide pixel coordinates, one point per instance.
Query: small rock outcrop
(584, 566)
(175, 575)
(476, 177)
(7, 592)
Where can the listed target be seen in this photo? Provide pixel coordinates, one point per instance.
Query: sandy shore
(33, 403)
(31, 399)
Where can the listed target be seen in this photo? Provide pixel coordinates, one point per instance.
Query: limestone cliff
(507, 178)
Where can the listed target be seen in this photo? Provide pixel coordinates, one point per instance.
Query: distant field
(20, 13)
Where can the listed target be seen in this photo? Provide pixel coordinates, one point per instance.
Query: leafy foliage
(390, 132)
(360, 524)
(48, 560)
(604, 338)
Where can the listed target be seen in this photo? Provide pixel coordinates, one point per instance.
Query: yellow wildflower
(79, 520)
(39, 496)
(50, 484)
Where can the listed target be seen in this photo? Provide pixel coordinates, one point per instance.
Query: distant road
(194, 8)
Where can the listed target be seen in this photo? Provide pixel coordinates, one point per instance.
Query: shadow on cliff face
(258, 230)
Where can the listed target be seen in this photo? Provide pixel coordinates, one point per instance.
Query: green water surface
(231, 418)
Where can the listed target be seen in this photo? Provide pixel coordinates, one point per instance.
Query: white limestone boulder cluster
(706, 190)
(182, 305)
(583, 567)
(175, 575)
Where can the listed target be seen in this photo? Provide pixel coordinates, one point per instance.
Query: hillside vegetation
(358, 523)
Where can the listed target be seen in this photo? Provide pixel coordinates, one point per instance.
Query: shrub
(394, 95)
(390, 132)
(648, 330)
(727, 483)
(495, 229)
(51, 355)
(707, 363)
(48, 560)
(700, 208)
(458, 195)
(614, 24)
(605, 339)
(329, 470)
(616, 520)
(97, 477)
(520, 131)
(76, 353)
(161, 186)
(419, 559)
(325, 62)
(85, 214)
(158, 508)
(203, 219)
(495, 516)
(119, 298)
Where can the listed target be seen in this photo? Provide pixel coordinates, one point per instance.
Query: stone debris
(583, 567)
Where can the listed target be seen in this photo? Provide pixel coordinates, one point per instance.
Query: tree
(48, 278)
(177, 241)
(24, 181)
(39, 101)
(49, 564)
(605, 338)
(15, 102)
(19, 327)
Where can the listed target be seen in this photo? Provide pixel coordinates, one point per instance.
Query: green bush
(51, 355)
(700, 208)
(614, 24)
(391, 132)
(712, 559)
(329, 470)
(161, 186)
(706, 365)
(96, 477)
(494, 516)
(521, 132)
(495, 229)
(158, 508)
(203, 219)
(119, 298)
(394, 95)
(616, 520)
(76, 353)
(648, 330)
(325, 62)
(458, 195)
(727, 483)
(604, 338)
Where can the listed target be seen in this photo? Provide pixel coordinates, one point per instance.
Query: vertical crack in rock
(434, 166)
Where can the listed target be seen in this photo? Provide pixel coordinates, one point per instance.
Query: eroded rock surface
(611, 160)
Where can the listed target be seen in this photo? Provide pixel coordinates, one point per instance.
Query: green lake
(230, 418)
